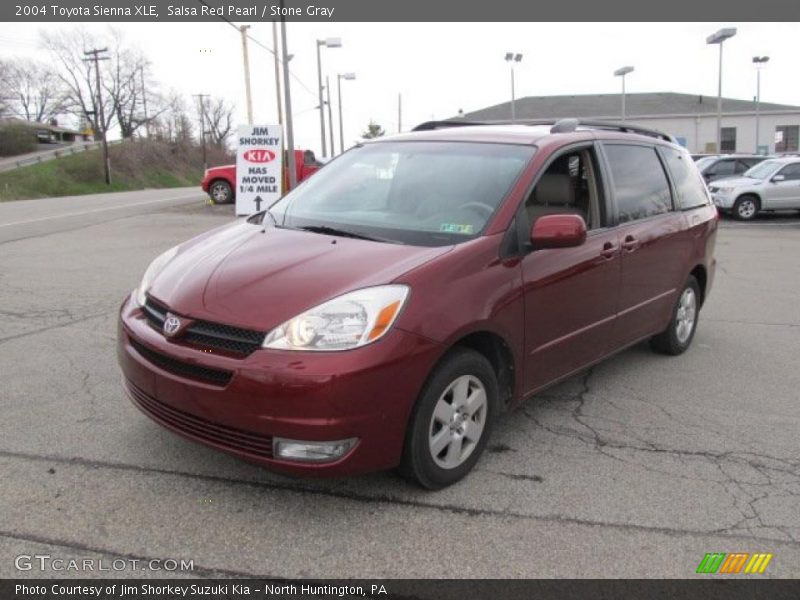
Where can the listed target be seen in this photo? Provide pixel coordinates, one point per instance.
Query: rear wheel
(452, 420)
(678, 335)
(745, 208)
(221, 192)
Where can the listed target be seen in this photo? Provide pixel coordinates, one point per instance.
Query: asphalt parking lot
(635, 468)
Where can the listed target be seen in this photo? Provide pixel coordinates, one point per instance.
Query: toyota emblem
(172, 325)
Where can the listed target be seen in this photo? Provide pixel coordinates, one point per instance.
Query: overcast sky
(440, 68)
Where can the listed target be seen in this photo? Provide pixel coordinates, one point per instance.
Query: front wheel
(221, 192)
(746, 208)
(452, 420)
(678, 335)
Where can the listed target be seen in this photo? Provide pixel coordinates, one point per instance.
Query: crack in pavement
(383, 498)
(51, 327)
(745, 495)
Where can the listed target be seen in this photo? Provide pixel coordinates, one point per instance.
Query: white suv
(770, 185)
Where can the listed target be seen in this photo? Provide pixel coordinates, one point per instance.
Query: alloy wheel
(457, 422)
(685, 317)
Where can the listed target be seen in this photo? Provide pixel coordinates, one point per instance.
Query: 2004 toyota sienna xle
(384, 312)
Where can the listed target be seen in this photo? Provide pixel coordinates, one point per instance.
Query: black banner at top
(384, 10)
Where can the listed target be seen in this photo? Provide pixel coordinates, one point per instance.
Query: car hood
(220, 168)
(240, 276)
(734, 182)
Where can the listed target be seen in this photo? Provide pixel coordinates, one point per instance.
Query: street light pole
(330, 111)
(328, 43)
(339, 77)
(512, 58)
(719, 38)
(621, 72)
(759, 62)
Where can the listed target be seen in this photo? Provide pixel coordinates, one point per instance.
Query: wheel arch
(700, 273)
(755, 195)
(499, 354)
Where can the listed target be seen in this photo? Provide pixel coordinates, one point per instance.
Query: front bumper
(366, 393)
(721, 201)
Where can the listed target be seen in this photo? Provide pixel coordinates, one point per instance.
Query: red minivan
(384, 312)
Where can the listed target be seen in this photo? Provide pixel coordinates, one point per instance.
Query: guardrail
(9, 164)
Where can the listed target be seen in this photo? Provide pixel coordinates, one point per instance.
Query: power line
(265, 47)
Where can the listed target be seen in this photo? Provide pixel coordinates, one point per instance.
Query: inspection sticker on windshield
(456, 228)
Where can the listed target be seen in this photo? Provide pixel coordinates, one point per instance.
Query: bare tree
(67, 47)
(5, 98)
(126, 85)
(124, 78)
(219, 120)
(173, 122)
(32, 90)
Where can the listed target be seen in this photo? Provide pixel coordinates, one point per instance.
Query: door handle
(609, 250)
(630, 244)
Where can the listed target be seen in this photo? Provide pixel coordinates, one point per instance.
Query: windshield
(419, 193)
(762, 170)
(705, 161)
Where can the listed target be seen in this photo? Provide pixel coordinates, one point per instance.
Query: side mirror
(558, 231)
(778, 178)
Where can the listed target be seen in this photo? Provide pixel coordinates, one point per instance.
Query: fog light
(311, 451)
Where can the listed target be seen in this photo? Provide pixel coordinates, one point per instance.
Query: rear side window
(640, 184)
(689, 186)
(791, 172)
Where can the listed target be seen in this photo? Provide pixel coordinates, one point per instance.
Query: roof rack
(557, 126)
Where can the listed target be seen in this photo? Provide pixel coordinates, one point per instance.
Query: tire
(459, 436)
(678, 335)
(745, 208)
(220, 192)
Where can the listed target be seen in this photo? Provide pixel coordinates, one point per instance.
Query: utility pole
(144, 102)
(399, 113)
(277, 71)
(321, 105)
(330, 114)
(243, 29)
(201, 99)
(292, 167)
(99, 113)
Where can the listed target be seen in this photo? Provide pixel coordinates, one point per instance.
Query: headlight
(725, 190)
(154, 269)
(349, 321)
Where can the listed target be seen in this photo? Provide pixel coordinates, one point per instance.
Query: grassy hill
(135, 165)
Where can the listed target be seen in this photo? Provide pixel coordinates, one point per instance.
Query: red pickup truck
(220, 182)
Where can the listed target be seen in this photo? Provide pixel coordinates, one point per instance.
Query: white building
(691, 119)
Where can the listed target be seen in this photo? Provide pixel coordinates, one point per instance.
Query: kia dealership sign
(259, 168)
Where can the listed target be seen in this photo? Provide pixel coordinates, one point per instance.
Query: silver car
(770, 185)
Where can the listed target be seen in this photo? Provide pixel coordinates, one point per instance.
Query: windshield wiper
(327, 230)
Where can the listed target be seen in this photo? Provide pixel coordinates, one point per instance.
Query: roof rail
(431, 125)
(626, 128)
(557, 126)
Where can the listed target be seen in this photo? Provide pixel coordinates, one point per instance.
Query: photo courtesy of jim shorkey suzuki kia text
(308, 298)
(153, 11)
(196, 590)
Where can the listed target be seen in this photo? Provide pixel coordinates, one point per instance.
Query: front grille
(201, 429)
(206, 334)
(184, 369)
